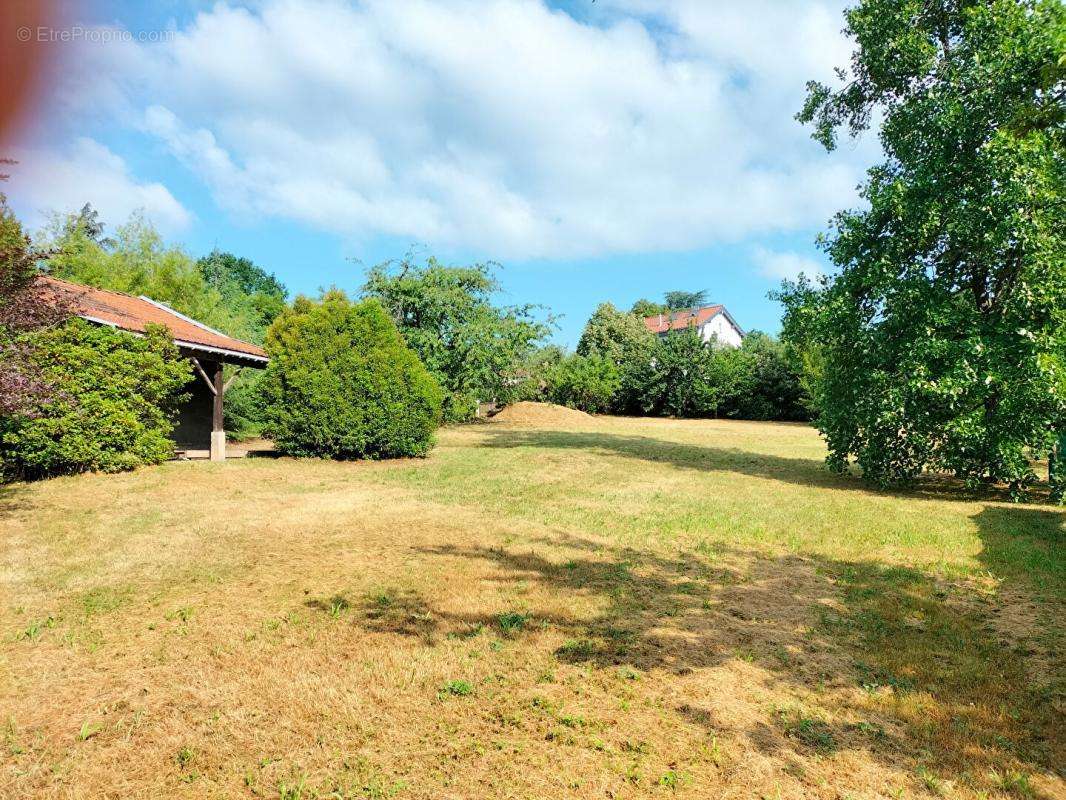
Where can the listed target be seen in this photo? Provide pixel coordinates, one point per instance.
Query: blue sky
(599, 152)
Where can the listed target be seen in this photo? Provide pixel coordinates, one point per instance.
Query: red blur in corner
(28, 61)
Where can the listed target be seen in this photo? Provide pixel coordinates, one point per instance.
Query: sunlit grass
(625, 608)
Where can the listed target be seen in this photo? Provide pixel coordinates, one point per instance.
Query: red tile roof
(134, 313)
(680, 320)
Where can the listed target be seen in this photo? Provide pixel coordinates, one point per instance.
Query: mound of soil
(525, 413)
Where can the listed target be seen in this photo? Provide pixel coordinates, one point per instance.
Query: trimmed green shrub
(113, 406)
(342, 384)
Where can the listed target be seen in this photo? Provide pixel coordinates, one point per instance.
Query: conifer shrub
(343, 384)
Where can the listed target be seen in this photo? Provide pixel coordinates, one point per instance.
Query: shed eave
(245, 359)
(232, 355)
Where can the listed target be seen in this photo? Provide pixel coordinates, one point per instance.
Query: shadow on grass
(887, 660)
(1020, 541)
(801, 471)
(914, 670)
(1027, 544)
(13, 500)
(804, 471)
(402, 611)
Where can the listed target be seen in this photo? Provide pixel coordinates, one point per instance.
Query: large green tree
(625, 341)
(943, 335)
(615, 335)
(683, 376)
(239, 280)
(475, 348)
(680, 300)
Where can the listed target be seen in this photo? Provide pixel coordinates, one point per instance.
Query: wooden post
(218, 434)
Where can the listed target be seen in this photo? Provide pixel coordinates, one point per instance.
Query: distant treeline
(620, 367)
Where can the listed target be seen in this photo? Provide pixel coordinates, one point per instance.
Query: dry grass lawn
(616, 608)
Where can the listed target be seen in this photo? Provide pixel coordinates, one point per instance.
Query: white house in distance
(709, 321)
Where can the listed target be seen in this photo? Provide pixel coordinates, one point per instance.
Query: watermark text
(90, 35)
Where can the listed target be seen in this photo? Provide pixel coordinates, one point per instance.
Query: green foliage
(759, 381)
(22, 309)
(456, 688)
(18, 259)
(681, 378)
(113, 408)
(625, 341)
(621, 367)
(536, 373)
(590, 383)
(239, 281)
(616, 336)
(944, 334)
(221, 269)
(342, 384)
(248, 290)
(646, 308)
(474, 348)
(246, 408)
(677, 301)
(805, 355)
(1057, 469)
(138, 262)
(512, 622)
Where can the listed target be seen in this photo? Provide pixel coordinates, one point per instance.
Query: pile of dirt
(526, 413)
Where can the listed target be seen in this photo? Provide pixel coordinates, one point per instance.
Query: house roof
(133, 314)
(680, 320)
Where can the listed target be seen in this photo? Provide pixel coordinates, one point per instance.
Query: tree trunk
(1057, 469)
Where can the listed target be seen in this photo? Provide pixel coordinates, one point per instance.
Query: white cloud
(499, 126)
(47, 181)
(781, 41)
(785, 265)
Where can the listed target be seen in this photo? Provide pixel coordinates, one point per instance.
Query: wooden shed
(199, 428)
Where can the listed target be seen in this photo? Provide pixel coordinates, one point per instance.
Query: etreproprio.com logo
(89, 35)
